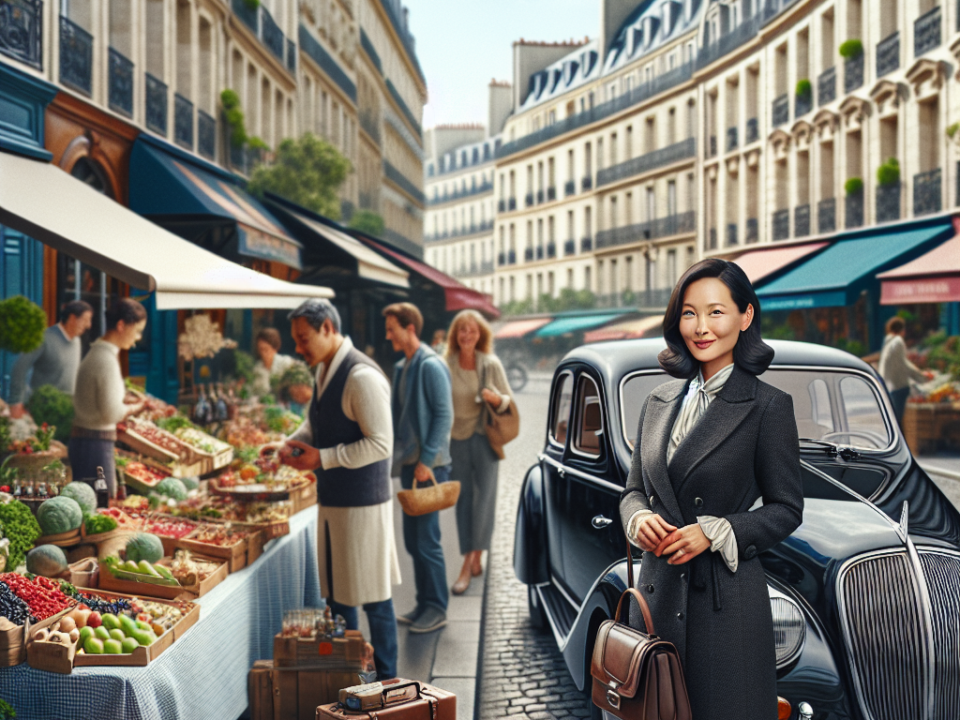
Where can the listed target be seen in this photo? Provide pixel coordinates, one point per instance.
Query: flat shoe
(460, 586)
(477, 572)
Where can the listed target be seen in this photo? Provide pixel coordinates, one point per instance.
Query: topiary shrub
(22, 324)
(804, 88)
(53, 407)
(851, 49)
(853, 186)
(888, 174)
(952, 130)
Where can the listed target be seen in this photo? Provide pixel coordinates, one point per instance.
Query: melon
(59, 515)
(172, 487)
(144, 546)
(46, 560)
(84, 495)
(190, 483)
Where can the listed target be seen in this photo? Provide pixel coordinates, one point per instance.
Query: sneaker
(410, 618)
(430, 619)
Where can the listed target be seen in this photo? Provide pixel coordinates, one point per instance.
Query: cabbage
(59, 515)
(144, 546)
(172, 487)
(85, 496)
(47, 560)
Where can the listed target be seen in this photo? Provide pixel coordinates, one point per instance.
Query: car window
(589, 418)
(862, 410)
(562, 399)
(820, 410)
(634, 392)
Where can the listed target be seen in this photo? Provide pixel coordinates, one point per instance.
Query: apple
(94, 646)
(94, 620)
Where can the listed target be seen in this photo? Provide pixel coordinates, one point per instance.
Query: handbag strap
(644, 609)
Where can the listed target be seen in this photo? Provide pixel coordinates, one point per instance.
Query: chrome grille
(943, 580)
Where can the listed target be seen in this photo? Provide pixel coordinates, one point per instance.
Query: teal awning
(576, 323)
(836, 276)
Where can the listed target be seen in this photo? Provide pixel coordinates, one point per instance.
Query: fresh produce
(151, 433)
(42, 595)
(280, 420)
(201, 441)
(84, 495)
(144, 546)
(142, 571)
(174, 422)
(167, 527)
(13, 607)
(190, 483)
(172, 487)
(114, 606)
(59, 515)
(53, 407)
(190, 570)
(96, 524)
(221, 535)
(46, 560)
(144, 473)
(119, 516)
(20, 527)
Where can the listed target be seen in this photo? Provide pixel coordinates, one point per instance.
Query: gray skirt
(476, 467)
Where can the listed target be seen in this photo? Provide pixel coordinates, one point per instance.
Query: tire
(516, 376)
(538, 615)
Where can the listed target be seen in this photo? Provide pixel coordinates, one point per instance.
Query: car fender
(530, 562)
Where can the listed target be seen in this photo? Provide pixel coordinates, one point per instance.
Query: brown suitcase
(399, 702)
(293, 693)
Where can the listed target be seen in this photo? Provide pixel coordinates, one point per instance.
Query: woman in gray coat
(708, 447)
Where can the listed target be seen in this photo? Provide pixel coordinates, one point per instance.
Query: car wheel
(516, 376)
(538, 616)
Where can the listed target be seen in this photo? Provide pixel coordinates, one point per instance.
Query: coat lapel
(661, 414)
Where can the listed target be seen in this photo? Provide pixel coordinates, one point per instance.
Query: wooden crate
(83, 573)
(170, 544)
(237, 556)
(200, 589)
(13, 637)
(66, 539)
(346, 653)
(51, 656)
(139, 444)
(293, 693)
(138, 589)
(304, 497)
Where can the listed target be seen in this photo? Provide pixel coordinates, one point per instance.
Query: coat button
(698, 502)
(650, 588)
(679, 616)
(683, 576)
(750, 552)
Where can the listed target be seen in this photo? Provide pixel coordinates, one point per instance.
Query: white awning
(44, 202)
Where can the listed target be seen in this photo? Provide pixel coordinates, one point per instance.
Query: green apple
(129, 645)
(110, 621)
(85, 632)
(112, 647)
(117, 634)
(93, 646)
(101, 632)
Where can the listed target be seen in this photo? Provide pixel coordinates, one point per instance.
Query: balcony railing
(551, 194)
(371, 52)
(156, 113)
(501, 258)
(781, 225)
(512, 258)
(852, 73)
(888, 54)
(712, 239)
(827, 215)
(888, 203)
(247, 12)
(853, 210)
(540, 252)
(482, 268)
(650, 161)
(465, 230)
(291, 56)
(512, 204)
(743, 33)
(781, 110)
(802, 104)
(926, 32)
(927, 193)
(586, 244)
(753, 130)
(501, 205)
(569, 188)
(753, 230)
(540, 197)
(21, 31)
(480, 189)
(394, 175)
(731, 234)
(586, 183)
(271, 34)
(316, 52)
(183, 121)
(551, 250)
(827, 86)
(712, 146)
(528, 255)
(569, 247)
(120, 83)
(206, 135)
(661, 227)
(528, 200)
(370, 124)
(801, 220)
(732, 139)
(76, 56)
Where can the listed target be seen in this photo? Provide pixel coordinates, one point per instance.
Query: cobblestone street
(523, 674)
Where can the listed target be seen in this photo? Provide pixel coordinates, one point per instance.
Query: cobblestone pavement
(522, 672)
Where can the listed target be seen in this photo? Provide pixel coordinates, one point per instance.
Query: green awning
(836, 276)
(576, 323)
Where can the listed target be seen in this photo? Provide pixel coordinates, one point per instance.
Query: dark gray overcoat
(744, 447)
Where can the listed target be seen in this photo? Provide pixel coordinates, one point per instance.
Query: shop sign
(256, 243)
(806, 301)
(926, 290)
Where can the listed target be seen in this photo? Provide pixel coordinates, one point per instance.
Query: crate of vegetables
(105, 524)
(197, 574)
(146, 438)
(212, 453)
(236, 543)
(24, 604)
(141, 476)
(171, 530)
(139, 578)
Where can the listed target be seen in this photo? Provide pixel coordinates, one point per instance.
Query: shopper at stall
(347, 440)
(895, 369)
(271, 364)
(56, 361)
(422, 419)
(99, 397)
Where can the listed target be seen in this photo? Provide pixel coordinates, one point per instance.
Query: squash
(59, 515)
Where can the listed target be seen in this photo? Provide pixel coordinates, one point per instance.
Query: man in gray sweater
(56, 361)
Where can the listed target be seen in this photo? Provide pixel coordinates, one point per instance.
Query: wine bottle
(101, 489)
(223, 411)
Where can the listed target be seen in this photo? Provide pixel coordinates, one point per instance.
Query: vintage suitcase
(293, 693)
(396, 700)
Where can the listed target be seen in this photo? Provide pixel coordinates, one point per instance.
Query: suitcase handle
(405, 697)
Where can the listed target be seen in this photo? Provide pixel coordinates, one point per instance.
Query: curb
(934, 470)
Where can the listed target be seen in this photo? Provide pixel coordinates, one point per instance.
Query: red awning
(760, 264)
(627, 329)
(458, 296)
(519, 328)
(931, 278)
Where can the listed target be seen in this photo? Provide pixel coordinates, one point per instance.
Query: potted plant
(804, 89)
(888, 174)
(851, 49)
(853, 186)
(22, 324)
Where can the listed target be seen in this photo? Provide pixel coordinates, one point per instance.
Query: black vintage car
(865, 594)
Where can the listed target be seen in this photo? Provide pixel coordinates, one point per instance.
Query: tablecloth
(203, 675)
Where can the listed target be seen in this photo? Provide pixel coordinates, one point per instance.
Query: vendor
(347, 440)
(100, 393)
(271, 363)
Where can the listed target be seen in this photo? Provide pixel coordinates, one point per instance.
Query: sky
(463, 45)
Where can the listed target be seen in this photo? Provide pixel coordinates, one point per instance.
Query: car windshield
(838, 407)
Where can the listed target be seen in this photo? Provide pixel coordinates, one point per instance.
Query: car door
(554, 479)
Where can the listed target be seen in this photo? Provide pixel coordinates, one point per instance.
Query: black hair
(74, 308)
(751, 352)
(126, 309)
(315, 311)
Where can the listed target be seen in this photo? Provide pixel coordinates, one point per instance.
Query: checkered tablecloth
(203, 675)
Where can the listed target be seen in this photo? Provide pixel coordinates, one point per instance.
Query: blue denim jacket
(426, 408)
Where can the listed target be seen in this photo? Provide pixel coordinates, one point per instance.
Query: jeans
(383, 632)
(421, 537)
(898, 398)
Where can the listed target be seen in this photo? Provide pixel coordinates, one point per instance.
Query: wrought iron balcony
(827, 215)
(852, 73)
(206, 135)
(291, 56)
(21, 31)
(586, 183)
(781, 110)
(753, 130)
(551, 194)
(502, 258)
(712, 239)
(732, 139)
(512, 204)
(370, 124)
(586, 244)
(712, 147)
(528, 200)
(183, 121)
(802, 104)
(927, 193)
(408, 186)
(569, 247)
(512, 257)
(731, 234)
(926, 32)
(680, 223)
(247, 12)
(120, 82)
(76, 56)
(551, 250)
(539, 197)
(888, 203)
(540, 252)
(827, 86)
(156, 113)
(271, 34)
(853, 210)
(801, 220)
(569, 188)
(781, 225)
(649, 161)
(753, 230)
(528, 255)
(888, 54)
(501, 205)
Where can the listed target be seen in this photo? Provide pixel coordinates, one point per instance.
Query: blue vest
(343, 487)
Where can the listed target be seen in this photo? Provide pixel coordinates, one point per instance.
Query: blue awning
(166, 183)
(576, 323)
(836, 276)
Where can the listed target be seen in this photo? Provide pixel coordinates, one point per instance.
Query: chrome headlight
(789, 627)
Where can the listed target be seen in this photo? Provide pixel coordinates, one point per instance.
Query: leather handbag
(500, 428)
(438, 496)
(637, 675)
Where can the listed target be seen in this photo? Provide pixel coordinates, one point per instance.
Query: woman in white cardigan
(477, 380)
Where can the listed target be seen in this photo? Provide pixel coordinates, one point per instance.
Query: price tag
(326, 648)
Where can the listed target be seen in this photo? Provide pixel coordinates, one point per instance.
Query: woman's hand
(683, 545)
(653, 529)
(491, 397)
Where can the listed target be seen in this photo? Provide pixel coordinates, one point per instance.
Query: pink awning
(760, 264)
(519, 328)
(627, 329)
(932, 278)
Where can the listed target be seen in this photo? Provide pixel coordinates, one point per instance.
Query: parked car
(865, 595)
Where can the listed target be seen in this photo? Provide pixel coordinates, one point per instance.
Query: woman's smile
(703, 344)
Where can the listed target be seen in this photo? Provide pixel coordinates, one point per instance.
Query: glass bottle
(101, 489)
(121, 487)
(28, 488)
(42, 490)
(202, 410)
(223, 410)
(17, 489)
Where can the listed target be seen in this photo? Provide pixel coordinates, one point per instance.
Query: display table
(203, 675)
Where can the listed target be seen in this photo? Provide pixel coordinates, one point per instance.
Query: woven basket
(438, 496)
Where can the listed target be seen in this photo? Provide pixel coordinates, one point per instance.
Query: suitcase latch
(613, 699)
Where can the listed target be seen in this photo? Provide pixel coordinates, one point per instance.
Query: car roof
(616, 358)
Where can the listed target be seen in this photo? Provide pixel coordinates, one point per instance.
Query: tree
(307, 171)
(367, 221)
